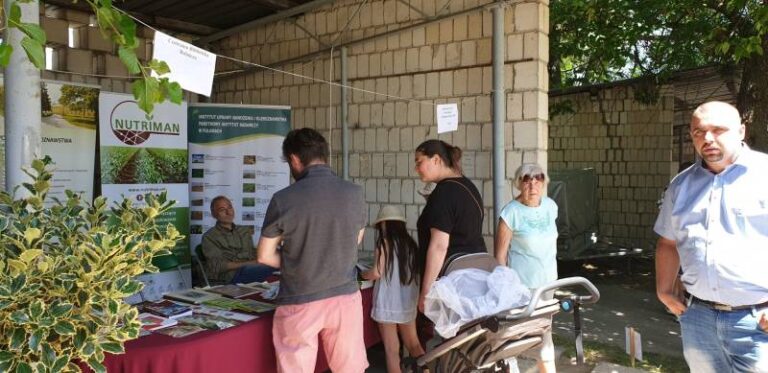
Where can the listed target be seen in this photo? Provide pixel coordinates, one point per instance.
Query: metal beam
(499, 111)
(311, 34)
(344, 114)
(262, 21)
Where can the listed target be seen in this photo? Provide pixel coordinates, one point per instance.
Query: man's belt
(727, 308)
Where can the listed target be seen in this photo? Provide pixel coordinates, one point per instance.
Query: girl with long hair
(397, 273)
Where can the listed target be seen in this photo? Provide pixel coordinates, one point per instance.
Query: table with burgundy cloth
(243, 348)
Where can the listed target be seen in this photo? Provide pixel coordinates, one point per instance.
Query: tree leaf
(18, 283)
(173, 91)
(64, 328)
(30, 235)
(36, 309)
(144, 91)
(131, 62)
(17, 339)
(79, 339)
(35, 52)
(96, 365)
(35, 339)
(112, 347)
(19, 317)
(23, 367)
(59, 364)
(60, 309)
(34, 31)
(15, 16)
(160, 67)
(5, 356)
(5, 53)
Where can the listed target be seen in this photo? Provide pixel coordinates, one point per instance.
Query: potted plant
(65, 270)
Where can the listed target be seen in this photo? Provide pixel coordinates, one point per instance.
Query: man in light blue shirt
(714, 224)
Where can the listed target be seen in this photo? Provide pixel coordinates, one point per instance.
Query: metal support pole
(344, 115)
(22, 102)
(499, 111)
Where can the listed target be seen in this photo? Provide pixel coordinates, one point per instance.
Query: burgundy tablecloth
(245, 348)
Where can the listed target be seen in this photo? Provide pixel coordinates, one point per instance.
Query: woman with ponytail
(450, 225)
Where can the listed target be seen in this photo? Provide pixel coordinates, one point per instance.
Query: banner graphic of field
(142, 154)
(235, 151)
(68, 136)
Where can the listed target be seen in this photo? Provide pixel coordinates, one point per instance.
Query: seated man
(229, 254)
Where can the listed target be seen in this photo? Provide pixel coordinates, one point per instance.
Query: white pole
(22, 102)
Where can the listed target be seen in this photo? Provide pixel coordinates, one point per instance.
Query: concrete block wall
(91, 54)
(444, 61)
(629, 144)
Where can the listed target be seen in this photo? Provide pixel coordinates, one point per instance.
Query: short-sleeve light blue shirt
(720, 225)
(533, 249)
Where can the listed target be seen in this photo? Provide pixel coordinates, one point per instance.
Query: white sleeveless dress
(393, 302)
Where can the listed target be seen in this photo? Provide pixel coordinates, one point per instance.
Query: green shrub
(64, 272)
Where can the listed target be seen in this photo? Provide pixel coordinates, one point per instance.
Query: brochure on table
(235, 151)
(68, 136)
(142, 154)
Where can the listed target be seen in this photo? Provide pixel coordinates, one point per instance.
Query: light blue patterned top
(719, 223)
(533, 249)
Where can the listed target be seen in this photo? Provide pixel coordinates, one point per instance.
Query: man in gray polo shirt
(320, 220)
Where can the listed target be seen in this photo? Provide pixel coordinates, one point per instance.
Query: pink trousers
(338, 321)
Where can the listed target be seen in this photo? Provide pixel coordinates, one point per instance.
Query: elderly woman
(526, 240)
(451, 223)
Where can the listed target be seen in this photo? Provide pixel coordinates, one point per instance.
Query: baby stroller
(485, 344)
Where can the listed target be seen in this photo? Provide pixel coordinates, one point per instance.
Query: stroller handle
(593, 297)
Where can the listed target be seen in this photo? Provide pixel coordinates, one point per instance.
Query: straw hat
(389, 212)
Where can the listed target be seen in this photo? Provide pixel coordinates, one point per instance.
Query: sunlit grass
(596, 352)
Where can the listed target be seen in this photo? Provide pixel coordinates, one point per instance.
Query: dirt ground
(627, 298)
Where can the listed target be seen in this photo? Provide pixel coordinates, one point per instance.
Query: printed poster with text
(235, 151)
(68, 136)
(143, 154)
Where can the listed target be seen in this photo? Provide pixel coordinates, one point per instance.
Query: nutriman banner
(142, 153)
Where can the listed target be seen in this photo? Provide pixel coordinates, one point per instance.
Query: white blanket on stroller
(469, 294)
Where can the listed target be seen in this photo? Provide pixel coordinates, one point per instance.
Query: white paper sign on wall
(447, 117)
(191, 66)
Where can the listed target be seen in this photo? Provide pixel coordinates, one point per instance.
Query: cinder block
(412, 59)
(452, 55)
(475, 80)
(394, 190)
(79, 61)
(77, 16)
(382, 190)
(433, 34)
(390, 165)
(438, 56)
(460, 28)
(468, 55)
(484, 51)
(414, 111)
(475, 25)
(388, 115)
(467, 110)
(446, 31)
(376, 115)
(403, 164)
(427, 114)
(399, 61)
(446, 83)
(390, 12)
(114, 67)
(382, 139)
(468, 163)
(459, 82)
(370, 190)
(56, 30)
(377, 13)
(526, 76)
(387, 63)
(514, 106)
(406, 191)
(433, 85)
(401, 113)
(483, 109)
(527, 17)
(419, 36)
(96, 41)
(406, 86)
(406, 39)
(419, 85)
(425, 58)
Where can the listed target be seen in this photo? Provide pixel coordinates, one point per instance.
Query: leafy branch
(148, 89)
